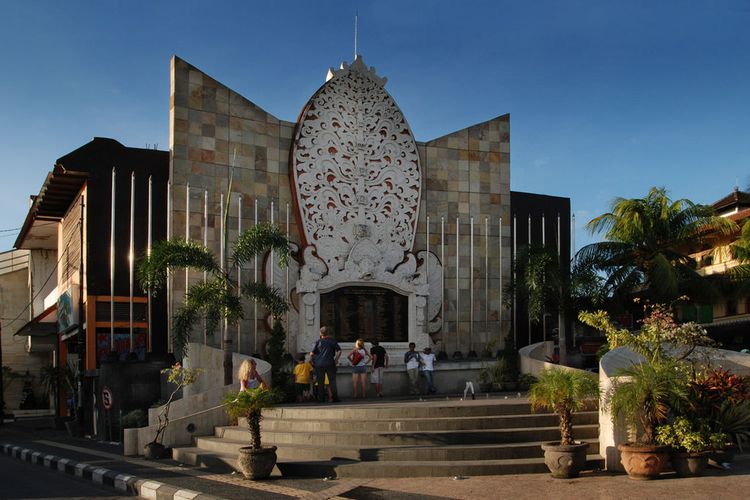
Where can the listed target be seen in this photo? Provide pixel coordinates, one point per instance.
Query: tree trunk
(253, 421)
(566, 428)
(228, 368)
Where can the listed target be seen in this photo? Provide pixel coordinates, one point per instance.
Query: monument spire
(356, 32)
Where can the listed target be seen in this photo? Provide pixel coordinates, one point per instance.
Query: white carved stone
(357, 180)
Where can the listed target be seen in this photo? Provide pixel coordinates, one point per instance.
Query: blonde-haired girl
(249, 376)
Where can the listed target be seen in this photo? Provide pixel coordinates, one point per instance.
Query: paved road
(21, 480)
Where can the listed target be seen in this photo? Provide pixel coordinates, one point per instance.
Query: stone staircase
(399, 439)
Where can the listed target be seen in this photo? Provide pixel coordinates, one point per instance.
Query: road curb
(125, 483)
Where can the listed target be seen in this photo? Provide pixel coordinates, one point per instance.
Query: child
(302, 371)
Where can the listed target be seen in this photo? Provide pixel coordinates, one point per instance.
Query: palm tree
(537, 281)
(647, 245)
(219, 297)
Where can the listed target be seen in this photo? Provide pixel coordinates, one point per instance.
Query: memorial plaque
(368, 313)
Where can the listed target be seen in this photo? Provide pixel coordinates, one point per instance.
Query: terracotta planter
(565, 461)
(689, 464)
(154, 451)
(256, 464)
(643, 461)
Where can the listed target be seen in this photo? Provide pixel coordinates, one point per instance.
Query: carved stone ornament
(356, 175)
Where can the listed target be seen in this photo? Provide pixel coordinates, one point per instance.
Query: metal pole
(148, 253)
(187, 232)
(170, 284)
(528, 315)
(458, 300)
(286, 291)
(112, 265)
(562, 341)
(255, 280)
(131, 257)
(500, 258)
(273, 263)
(427, 273)
(442, 271)
(544, 279)
(205, 245)
(471, 284)
(239, 268)
(486, 279)
(221, 248)
(515, 283)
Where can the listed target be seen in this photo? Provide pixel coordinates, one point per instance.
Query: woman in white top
(249, 376)
(359, 360)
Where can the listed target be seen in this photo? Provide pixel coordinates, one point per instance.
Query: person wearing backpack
(359, 360)
(412, 360)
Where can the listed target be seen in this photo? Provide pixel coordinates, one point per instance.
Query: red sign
(107, 398)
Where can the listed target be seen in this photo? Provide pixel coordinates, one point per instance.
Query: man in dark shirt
(325, 356)
(379, 364)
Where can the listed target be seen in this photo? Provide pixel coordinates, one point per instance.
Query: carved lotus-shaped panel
(355, 168)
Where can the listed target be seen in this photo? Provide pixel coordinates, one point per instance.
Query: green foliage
(258, 239)
(526, 379)
(249, 404)
(268, 297)
(276, 350)
(134, 419)
(689, 436)
(734, 420)
(563, 391)
(644, 393)
(658, 333)
(175, 254)
(52, 377)
(538, 281)
(219, 298)
(647, 240)
(180, 377)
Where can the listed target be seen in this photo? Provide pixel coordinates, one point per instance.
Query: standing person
(412, 361)
(325, 356)
(359, 360)
(428, 365)
(379, 363)
(249, 376)
(302, 377)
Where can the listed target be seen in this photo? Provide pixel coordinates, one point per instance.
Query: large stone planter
(642, 461)
(154, 451)
(565, 461)
(256, 464)
(689, 464)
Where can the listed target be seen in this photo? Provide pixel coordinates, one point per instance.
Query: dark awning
(44, 325)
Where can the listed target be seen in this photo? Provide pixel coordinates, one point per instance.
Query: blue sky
(607, 98)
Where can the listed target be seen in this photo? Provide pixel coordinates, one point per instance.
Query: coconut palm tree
(647, 245)
(219, 297)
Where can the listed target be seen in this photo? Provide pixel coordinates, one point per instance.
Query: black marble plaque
(367, 313)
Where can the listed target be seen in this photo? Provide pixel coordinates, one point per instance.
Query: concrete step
(423, 424)
(400, 409)
(211, 444)
(423, 469)
(365, 439)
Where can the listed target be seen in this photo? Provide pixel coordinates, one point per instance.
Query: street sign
(107, 398)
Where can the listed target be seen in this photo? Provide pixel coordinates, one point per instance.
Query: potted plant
(180, 377)
(525, 381)
(255, 461)
(485, 379)
(722, 399)
(689, 442)
(642, 394)
(564, 392)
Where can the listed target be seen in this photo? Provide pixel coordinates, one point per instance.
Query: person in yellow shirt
(302, 376)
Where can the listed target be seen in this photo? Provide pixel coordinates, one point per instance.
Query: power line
(9, 230)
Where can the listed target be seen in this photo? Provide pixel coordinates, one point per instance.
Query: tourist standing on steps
(359, 360)
(379, 364)
(428, 365)
(412, 361)
(325, 356)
